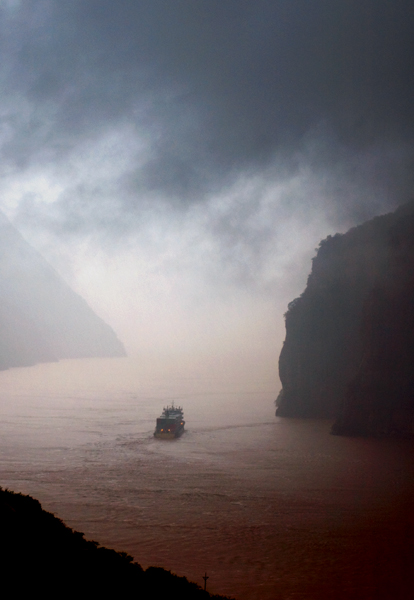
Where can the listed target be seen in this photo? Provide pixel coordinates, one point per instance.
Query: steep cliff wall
(350, 336)
(41, 318)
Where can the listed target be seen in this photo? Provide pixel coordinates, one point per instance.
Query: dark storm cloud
(217, 86)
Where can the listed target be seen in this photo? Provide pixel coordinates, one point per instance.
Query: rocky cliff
(349, 345)
(41, 318)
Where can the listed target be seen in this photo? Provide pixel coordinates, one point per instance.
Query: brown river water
(270, 508)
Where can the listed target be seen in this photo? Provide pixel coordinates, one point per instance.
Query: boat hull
(169, 435)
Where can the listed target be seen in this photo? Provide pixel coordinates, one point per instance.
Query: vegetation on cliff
(349, 345)
(39, 553)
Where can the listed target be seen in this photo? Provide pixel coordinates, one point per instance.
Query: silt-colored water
(270, 508)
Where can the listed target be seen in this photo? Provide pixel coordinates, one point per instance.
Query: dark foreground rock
(41, 318)
(39, 553)
(349, 345)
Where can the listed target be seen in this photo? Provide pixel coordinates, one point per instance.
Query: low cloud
(212, 145)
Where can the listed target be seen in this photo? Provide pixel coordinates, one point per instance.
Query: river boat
(170, 424)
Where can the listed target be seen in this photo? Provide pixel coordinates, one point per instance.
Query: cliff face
(41, 318)
(349, 345)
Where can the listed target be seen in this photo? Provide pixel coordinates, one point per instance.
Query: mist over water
(268, 507)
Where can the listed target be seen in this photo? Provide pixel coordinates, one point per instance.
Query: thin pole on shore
(205, 581)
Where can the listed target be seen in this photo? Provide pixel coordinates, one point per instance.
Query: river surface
(270, 508)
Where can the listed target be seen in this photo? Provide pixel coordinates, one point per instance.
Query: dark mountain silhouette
(41, 318)
(349, 348)
(39, 553)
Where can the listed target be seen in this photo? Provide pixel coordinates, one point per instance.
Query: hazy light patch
(211, 276)
(42, 188)
(154, 310)
(261, 232)
(215, 278)
(78, 194)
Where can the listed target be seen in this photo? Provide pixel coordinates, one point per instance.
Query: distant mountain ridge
(41, 318)
(349, 348)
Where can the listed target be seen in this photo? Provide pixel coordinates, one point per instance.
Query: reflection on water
(270, 508)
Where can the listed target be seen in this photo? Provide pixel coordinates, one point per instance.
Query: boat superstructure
(171, 423)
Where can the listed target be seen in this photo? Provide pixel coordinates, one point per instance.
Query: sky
(178, 161)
